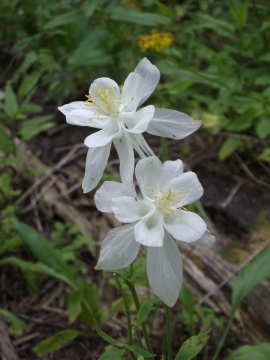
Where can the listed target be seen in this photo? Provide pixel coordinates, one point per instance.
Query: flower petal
(82, 117)
(96, 162)
(137, 122)
(151, 76)
(118, 249)
(206, 240)
(164, 270)
(128, 209)
(149, 230)
(132, 92)
(185, 226)
(126, 156)
(107, 191)
(189, 183)
(102, 137)
(171, 170)
(67, 108)
(104, 83)
(148, 174)
(172, 124)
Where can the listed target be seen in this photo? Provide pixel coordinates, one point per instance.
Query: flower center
(168, 202)
(105, 101)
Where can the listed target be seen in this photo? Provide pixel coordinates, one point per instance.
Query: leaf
(10, 244)
(228, 147)
(138, 269)
(144, 310)
(265, 155)
(70, 17)
(193, 345)
(29, 59)
(263, 127)
(112, 354)
(89, 7)
(56, 341)
(221, 27)
(74, 305)
(6, 144)
(104, 336)
(45, 252)
(244, 121)
(11, 103)
(17, 325)
(252, 352)
(30, 128)
(164, 9)
(137, 17)
(32, 108)
(139, 351)
(250, 276)
(29, 82)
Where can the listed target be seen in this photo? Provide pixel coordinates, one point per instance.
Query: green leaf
(32, 108)
(164, 9)
(137, 17)
(29, 82)
(229, 146)
(30, 128)
(145, 309)
(70, 17)
(113, 354)
(10, 244)
(139, 351)
(17, 325)
(193, 346)
(56, 341)
(138, 270)
(104, 336)
(45, 252)
(89, 7)
(221, 27)
(252, 352)
(74, 305)
(263, 127)
(11, 103)
(29, 59)
(6, 144)
(249, 277)
(244, 121)
(265, 155)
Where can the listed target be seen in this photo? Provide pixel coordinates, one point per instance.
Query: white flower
(114, 112)
(153, 220)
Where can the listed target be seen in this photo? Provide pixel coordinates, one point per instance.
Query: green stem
(137, 304)
(130, 341)
(168, 325)
(138, 337)
(221, 343)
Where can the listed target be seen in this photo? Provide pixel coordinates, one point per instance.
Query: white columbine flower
(114, 112)
(154, 220)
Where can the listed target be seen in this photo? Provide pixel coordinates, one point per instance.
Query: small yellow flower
(156, 40)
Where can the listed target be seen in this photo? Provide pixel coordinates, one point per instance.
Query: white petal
(139, 139)
(83, 117)
(164, 270)
(132, 92)
(151, 76)
(172, 124)
(149, 230)
(96, 162)
(171, 170)
(206, 240)
(107, 191)
(104, 83)
(137, 122)
(190, 185)
(118, 249)
(185, 226)
(102, 137)
(149, 175)
(126, 156)
(67, 108)
(128, 209)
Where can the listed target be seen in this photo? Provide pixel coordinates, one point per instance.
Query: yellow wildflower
(156, 40)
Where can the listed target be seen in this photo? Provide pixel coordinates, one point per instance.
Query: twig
(231, 195)
(36, 214)
(25, 339)
(224, 282)
(249, 173)
(62, 162)
(71, 189)
(6, 348)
